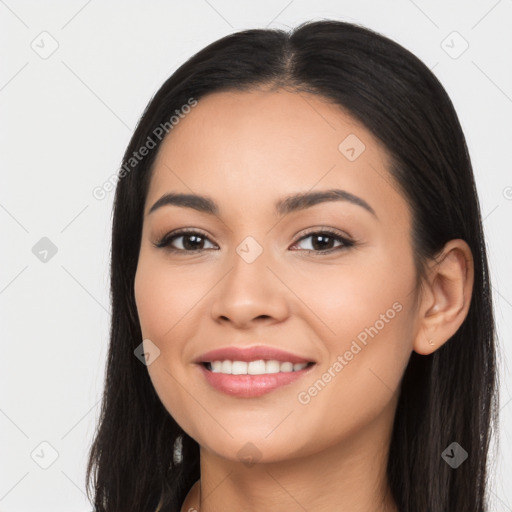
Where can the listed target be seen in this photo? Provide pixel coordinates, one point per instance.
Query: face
(330, 281)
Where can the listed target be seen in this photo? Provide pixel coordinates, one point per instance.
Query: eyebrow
(289, 204)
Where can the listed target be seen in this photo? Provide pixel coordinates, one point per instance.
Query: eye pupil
(320, 238)
(198, 241)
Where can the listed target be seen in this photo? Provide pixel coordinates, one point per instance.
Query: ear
(446, 297)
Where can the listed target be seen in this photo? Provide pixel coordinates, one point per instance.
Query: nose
(249, 293)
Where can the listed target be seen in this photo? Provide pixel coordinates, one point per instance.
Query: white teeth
(286, 367)
(256, 367)
(239, 368)
(216, 366)
(259, 367)
(272, 366)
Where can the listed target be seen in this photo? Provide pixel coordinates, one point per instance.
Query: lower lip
(248, 386)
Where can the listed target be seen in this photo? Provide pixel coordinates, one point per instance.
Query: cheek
(163, 296)
(163, 299)
(360, 298)
(365, 358)
(151, 301)
(364, 317)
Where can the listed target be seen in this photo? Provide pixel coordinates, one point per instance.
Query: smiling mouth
(257, 367)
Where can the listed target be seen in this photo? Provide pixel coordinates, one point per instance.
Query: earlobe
(446, 300)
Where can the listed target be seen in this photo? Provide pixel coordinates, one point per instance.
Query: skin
(246, 150)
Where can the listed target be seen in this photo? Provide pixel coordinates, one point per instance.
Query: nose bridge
(250, 250)
(249, 268)
(249, 289)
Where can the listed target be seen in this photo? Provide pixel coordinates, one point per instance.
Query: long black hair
(447, 396)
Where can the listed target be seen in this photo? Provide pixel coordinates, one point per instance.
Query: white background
(65, 123)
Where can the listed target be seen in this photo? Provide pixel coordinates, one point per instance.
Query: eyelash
(347, 243)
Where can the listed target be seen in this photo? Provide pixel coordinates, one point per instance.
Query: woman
(301, 307)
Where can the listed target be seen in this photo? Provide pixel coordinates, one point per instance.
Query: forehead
(250, 148)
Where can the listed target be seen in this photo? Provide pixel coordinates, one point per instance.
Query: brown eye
(188, 240)
(322, 242)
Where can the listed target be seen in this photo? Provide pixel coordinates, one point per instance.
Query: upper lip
(250, 354)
